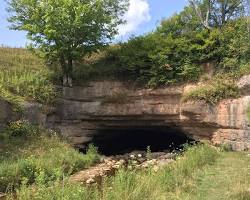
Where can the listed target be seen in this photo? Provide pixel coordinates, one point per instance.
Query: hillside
(24, 77)
(160, 116)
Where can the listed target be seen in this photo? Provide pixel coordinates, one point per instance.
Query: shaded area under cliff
(120, 141)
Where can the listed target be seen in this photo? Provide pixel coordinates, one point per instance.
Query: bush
(227, 147)
(21, 128)
(213, 91)
(248, 112)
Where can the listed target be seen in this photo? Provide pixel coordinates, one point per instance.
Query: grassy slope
(227, 179)
(18, 57)
(24, 77)
(26, 152)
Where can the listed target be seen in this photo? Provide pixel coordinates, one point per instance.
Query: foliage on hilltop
(176, 51)
(67, 30)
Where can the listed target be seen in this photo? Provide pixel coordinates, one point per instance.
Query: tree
(66, 30)
(202, 9)
(216, 13)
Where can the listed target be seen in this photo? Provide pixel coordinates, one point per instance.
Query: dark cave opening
(121, 141)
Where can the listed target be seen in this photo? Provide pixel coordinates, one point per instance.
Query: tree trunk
(64, 70)
(70, 70)
(67, 71)
(223, 14)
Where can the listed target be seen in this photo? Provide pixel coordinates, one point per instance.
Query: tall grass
(130, 185)
(26, 151)
(32, 85)
(24, 77)
(19, 57)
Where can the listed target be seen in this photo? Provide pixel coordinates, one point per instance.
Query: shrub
(226, 147)
(248, 112)
(213, 91)
(190, 71)
(21, 128)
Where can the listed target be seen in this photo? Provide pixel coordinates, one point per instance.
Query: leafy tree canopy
(182, 45)
(67, 29)
(215, 13)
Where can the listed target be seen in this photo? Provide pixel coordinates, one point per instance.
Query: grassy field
(227, 179)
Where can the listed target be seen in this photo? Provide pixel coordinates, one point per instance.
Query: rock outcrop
(83, 111)
(102, 105)
(33, 112)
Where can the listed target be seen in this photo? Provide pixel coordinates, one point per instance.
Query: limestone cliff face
(114, 105)
(225, 123)
(82, 111)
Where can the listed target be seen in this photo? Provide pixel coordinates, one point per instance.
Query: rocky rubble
(2, 196)
(131, 161)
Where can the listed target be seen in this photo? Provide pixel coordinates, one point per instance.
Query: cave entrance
(121, 141)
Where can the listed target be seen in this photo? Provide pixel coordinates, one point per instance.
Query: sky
(142, 17)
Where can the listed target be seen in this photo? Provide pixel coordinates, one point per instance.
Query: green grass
(40, 167)
(221, 86)
(201, 173)
(26, 151)
(227, 179)
(129, 185)
(24, 77)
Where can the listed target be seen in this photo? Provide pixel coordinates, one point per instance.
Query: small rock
(164, 162)
(134, 162)
(90, 181)
(116, 166)
(120, 162)
(157, 154)
(141, 160)
(2, 195)
(152, 162)
(101, 174)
